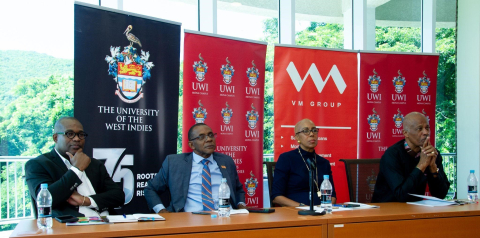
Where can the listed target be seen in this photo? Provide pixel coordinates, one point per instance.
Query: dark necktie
(207, 200)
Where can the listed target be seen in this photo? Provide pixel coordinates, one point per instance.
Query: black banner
(126, 71)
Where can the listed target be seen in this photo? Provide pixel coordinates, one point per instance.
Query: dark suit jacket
(174, 175)
(49, 168)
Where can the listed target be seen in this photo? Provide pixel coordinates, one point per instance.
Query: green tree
(28, 119)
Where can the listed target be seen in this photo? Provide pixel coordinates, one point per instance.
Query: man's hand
(241, 206)
(80, 160)
(425, 158)
(76, 199)
(163, 211)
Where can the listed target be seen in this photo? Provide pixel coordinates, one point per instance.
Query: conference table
(389, 220)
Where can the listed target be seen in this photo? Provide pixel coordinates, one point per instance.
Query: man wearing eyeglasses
(80, 185)
(193, 179)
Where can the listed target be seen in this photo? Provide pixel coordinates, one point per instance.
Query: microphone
(311, 163)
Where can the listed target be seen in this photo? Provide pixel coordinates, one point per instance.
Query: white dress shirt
(85, 189)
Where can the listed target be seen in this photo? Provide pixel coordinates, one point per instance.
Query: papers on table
(338, 208)
(135, 218)
(238, 211)
(86, 221)
(430, 201)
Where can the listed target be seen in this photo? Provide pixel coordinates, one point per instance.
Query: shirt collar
(410, 151)
(67, 162)
(198, 159)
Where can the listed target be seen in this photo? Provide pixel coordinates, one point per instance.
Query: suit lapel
(58, 161)
(186, 174)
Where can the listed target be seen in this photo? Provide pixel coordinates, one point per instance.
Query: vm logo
(317, 78)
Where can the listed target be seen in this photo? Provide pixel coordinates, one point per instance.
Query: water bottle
(326, 191)
(44, 206)
(472, 183)
(224, 199)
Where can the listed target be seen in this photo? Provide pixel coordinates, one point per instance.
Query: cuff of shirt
(157, 208)
(93, 204)
(77, 171)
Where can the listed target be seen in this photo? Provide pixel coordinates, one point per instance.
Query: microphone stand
(311, 182)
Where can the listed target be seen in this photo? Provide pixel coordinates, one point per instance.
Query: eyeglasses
(201, 137)
(71, 134)
(307, 131)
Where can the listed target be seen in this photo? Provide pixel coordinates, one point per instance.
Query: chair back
(361, 178)
(270, 169)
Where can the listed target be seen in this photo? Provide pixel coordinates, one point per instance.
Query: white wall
(468, 91)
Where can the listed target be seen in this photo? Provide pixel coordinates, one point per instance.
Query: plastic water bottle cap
(224, 180)
(472, 171)
(44, 185)
(325, 176)
(213, 216)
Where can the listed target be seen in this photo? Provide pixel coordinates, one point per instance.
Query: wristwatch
(301, 204)
(436, 173)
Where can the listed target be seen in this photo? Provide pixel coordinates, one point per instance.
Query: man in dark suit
(80, 185)
(181, 174)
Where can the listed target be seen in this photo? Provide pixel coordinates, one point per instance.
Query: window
(321, 23)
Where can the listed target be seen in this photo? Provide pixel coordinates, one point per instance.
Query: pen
(124, 216)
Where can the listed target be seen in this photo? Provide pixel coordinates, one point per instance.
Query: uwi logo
(252, 75)
(373, 120)
(424, 83)
(227, 72)
(399, 82)
(200, 113)
(251, 184)
(316, 77)
(227, 114)
(398, 119)
(252, 118)
(374, 82)
(200, 68)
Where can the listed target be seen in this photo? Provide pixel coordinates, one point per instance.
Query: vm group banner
(223, 87)
(126, 93)
(321, 85)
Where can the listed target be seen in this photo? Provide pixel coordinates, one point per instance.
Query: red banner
(320, 85)
(391, 86)
(223, 87)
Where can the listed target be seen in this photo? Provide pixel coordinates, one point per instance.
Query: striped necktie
(207, 200)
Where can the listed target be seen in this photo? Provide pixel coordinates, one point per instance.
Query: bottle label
(44, 212)
(223, 203)
(472, 189)
(327, 198)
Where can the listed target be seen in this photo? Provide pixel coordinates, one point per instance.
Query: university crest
(227, 114)
(424, 83)
(373, 120)
(200, 68)
(252, 74)
(130, 71)
(251, 184)
(200, 113)
(398, 119)
(252, 118)
(374, 81)
(399, 82)
(227, 72)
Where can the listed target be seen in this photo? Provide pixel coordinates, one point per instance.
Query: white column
(468, 91)
(207, 16)
(120, 4)
(371, 40)
(359, 24)
(287, 21)
(429, 17)
(347, 29)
